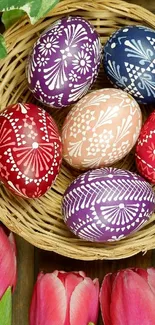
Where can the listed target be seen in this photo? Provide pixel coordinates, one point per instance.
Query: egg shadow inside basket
(40, 221)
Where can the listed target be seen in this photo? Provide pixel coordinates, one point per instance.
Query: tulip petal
(7, 263)
(151, 278)
(13, 243)
(14, 249)
(105, 297)
(61, 275)
(71, 281)
(142, 272)
(148, 275)
(48, 306)
(132, 301)
(94, 307)
(84, 303)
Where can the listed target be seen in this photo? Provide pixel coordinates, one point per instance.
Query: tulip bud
(8, 274)
(62, 298)
(128, 297)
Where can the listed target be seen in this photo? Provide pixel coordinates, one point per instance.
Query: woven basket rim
(29, 218)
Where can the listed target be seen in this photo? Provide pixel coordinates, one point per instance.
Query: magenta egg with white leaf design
(30, 150)
(64, 62)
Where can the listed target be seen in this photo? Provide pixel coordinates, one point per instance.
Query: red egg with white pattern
(145, 149)
(30, 150)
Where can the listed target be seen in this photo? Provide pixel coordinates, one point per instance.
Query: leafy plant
(12, 10)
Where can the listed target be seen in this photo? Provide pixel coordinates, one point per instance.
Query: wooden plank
(48, 262)
(25, 282)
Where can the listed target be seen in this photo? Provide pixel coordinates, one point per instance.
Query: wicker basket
(40, 221)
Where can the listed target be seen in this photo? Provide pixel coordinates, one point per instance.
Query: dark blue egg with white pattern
(129, 62)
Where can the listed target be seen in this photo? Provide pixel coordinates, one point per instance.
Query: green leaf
(6, 308)
(3, 51)
(45, 7)
(10, 17)
(34, 8)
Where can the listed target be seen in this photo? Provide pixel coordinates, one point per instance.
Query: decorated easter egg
(101, 129)
(107, 204)
(129, 61)
(30, 150)
(145, 149)
(64, 62)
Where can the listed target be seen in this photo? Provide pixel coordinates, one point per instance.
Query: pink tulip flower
(62, 298)
(128, 297)
(8, 272)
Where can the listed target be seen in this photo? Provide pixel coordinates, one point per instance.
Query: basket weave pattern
(40, 221)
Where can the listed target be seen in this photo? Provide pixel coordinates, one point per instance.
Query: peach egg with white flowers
(101, 129)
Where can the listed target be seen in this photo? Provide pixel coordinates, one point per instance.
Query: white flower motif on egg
(41, 60)
(99, 142)
(82, 62)
(56, 29)
(82, 123)
(87, 47)
(49, 45)
(73, 76)
(116, 152)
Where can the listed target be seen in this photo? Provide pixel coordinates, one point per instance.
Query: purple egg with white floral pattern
(107, 204)
(64, 62)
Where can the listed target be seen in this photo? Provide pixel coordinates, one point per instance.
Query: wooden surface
(25, 282)
(31, 261)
